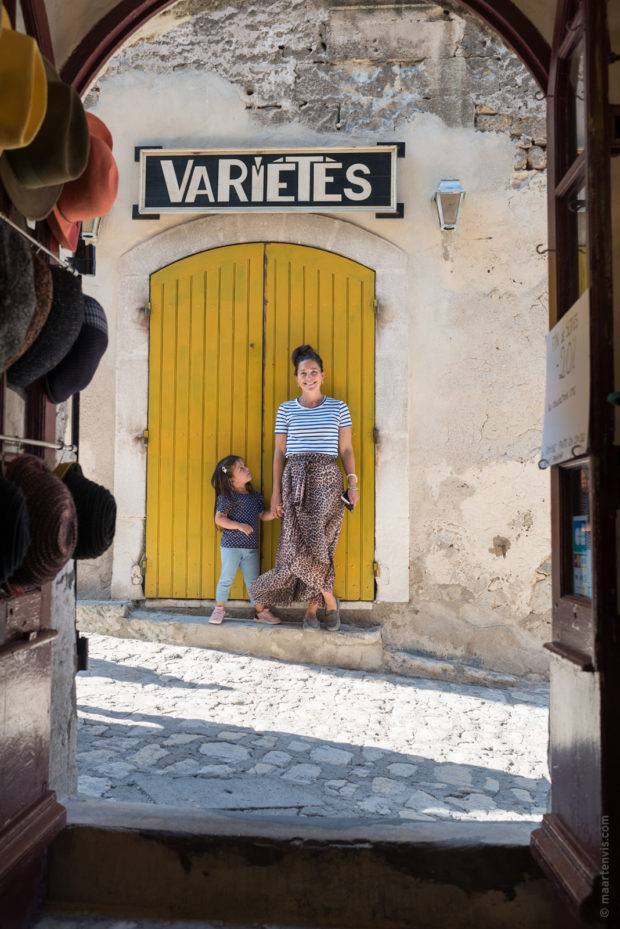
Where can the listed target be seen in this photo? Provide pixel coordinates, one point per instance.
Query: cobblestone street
(196, 727)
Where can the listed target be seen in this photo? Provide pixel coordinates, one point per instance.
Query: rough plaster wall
(278, 73)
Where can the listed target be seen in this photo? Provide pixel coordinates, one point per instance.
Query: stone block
(390, 34)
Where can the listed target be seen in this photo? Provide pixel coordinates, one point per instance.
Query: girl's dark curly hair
(221, 479)
(305, 353)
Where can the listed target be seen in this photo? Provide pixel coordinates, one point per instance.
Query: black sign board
(269, 180)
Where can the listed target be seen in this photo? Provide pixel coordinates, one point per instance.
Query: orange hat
(92, 194)
(23, 87)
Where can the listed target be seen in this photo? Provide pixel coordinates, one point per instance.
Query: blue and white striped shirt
(312, 429)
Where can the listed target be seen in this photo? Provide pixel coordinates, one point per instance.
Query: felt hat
(77, 368)
(33, 176)
(96, 512)
(17, 294)
(92, 194)
(15, 535)
(60, 331)
(53, 521)
(23, 87)
(43, 290)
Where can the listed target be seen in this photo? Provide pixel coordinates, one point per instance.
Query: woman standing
(307, 485)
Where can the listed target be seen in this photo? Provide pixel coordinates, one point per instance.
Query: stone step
(352, 647)
(140, 861)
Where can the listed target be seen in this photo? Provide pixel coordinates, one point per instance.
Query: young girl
(237, 510)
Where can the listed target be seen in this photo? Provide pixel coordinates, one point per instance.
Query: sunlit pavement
(206, 729)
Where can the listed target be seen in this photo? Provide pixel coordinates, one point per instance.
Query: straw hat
(33, 176)
(53, 521)
(23, 87)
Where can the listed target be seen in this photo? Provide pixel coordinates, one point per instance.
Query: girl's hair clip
(224, 469)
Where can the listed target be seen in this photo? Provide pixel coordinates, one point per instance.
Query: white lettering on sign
(199, 176)
(275, 185)
(175, 190)
(321, 180)
(205, 180)
(364, 185)
(304, 163)
(225, 181)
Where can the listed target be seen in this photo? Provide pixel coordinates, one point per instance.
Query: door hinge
(143, 564)
(147, 308)
(376, 570)
(145, 437)
(375, 435)
(375, 304)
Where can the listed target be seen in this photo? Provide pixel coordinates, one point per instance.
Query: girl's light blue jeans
(232, 560)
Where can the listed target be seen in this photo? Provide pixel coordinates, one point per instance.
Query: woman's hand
(277, 510)
(354, 495)
(245, 528)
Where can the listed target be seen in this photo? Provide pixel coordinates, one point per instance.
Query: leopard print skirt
(313, 511)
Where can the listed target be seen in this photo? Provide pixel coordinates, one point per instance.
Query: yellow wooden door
(205, 375)
(212, 393)
(316, 297)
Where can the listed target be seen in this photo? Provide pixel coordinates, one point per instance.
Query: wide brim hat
(59, 333)
(23, 87)
(53, 521)
(33, 176)
(92, 194)
(43, 290)
(77, 368)
(17, 292)
(15, 535)
(96, 512)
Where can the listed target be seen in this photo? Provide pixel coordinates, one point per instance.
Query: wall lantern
(449, 197)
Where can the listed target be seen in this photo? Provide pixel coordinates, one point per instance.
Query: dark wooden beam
(108, 35)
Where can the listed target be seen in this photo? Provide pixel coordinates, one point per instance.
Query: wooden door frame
(585, 695)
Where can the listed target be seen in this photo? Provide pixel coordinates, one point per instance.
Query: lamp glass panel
(450, 206)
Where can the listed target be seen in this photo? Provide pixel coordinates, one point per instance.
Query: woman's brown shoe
(332, 618)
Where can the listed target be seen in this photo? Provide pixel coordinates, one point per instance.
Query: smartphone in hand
(345, 499)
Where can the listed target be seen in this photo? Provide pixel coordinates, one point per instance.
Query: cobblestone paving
(211, 730)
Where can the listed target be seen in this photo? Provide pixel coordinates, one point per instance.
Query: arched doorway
(223, 324)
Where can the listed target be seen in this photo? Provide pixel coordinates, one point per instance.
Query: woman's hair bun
(304, 353)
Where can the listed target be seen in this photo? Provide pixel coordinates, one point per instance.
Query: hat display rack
(39, 246)
(56, 171)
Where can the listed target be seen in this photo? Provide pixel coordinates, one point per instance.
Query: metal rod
(21, 440)
(39, 246)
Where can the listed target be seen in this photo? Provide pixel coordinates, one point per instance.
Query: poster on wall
(268, 180)
(567, 389)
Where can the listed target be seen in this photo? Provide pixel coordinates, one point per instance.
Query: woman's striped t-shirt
(312, 429)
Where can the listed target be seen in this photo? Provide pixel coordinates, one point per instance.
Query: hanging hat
(53, 521)
(23, 87)
(17, 294)
(15, 535)
(77, 368)
(57, 335)
(33, 176)
(43, 290)
(96, 512)
(92, 194)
